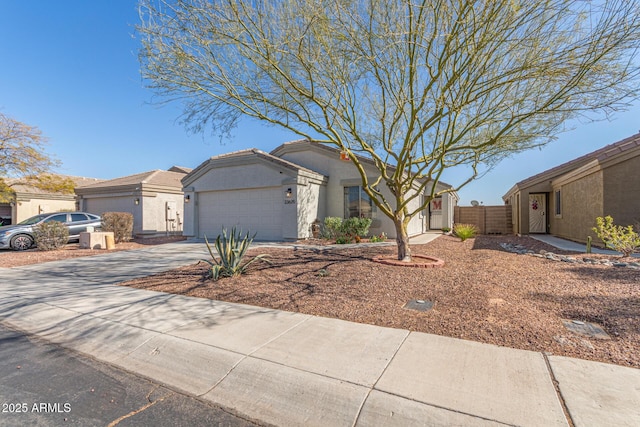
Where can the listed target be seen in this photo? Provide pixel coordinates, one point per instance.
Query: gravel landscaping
(485, 292)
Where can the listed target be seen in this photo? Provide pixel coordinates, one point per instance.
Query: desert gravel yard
(483, 293)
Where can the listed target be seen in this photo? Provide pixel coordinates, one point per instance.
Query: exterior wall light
(137, 201)
(288, 193)
(187, 198)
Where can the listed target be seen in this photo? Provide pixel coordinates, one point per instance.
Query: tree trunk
(402, 239)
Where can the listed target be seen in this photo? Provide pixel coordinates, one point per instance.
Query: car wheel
(21, 242)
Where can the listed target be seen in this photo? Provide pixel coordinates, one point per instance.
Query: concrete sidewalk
(289, 369)
(568, 245)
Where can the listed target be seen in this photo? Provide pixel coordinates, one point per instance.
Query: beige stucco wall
(311, 199)
(335, 169)
(296, 213)
(115, 203)
(621, 183)
(189, 226)
(250, 174)
(28, 206)
(154, 214)
(149, 214)
(343, 173)
(581, 203)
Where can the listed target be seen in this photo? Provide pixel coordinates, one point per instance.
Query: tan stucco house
(154, 198)
(279, 195)
(565, 200)
(29, 200)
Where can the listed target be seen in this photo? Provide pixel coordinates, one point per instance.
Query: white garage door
(256, 210)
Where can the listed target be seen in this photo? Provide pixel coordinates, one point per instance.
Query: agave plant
(231, 250)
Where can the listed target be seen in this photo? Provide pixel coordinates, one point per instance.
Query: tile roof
(155, 177)
(279, 150)
(79, 181)
(601, 155)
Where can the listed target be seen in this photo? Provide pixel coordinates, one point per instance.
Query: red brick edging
(385, 259)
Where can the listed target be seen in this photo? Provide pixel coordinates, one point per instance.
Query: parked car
(20, 236)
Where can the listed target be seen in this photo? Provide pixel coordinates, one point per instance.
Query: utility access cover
(591, 330)
(419, 305)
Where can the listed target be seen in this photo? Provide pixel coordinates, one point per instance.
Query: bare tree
(23, 160)
(422, 85)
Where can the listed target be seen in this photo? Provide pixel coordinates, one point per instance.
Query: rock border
(521, 250)
(389, 260)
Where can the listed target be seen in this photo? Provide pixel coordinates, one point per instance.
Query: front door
(435, 214)
(537, 213)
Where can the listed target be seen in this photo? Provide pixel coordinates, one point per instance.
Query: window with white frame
(357, 203)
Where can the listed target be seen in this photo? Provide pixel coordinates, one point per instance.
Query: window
(75, 217)
(558, 203)
(357, 203)
(59, 218)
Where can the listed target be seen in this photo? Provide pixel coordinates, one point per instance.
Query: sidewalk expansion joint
(386, 366)
(454, 411)
(246, 356)
(556, 386)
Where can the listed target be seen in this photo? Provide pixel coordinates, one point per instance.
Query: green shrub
(356, 227)
(465, 231)
(345, 231)
(231, 250)
(50, 235)
(617, 237)
(120, 223)
(376, 239)
(332, 227)
(341, 240)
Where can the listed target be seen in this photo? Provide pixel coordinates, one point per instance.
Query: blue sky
(70, 68)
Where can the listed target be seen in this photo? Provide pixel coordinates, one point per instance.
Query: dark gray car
(20, 236)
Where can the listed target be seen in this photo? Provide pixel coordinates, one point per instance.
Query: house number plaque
(290, 202)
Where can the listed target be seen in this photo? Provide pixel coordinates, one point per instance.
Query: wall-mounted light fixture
(288, 193)
(137, 201)
(187, 198)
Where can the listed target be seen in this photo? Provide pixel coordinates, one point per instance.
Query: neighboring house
(30, 200)
(279, 195)
(565, 200)
(154, 198)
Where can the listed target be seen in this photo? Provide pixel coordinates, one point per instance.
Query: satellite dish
(474, 203)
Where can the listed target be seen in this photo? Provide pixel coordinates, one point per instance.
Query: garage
(254, 191)
(257, 210)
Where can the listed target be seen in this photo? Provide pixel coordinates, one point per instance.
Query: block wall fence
(488, 219)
